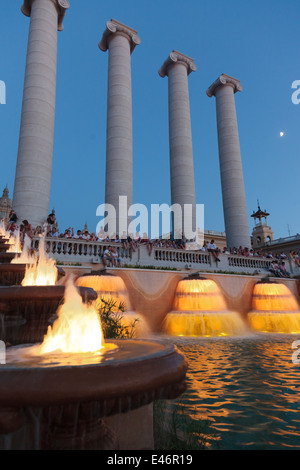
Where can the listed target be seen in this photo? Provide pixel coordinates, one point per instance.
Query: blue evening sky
(255, 41)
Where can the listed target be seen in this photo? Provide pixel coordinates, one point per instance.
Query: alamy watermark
(164, 221)
(2, 352)
(296, 94)
(2, 92)
(295, 358)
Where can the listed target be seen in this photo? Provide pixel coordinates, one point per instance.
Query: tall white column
(120, 41)
(232, 180)
(177, 67)
(34, 163)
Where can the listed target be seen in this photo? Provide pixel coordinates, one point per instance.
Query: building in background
(262, 234)
(5, 205)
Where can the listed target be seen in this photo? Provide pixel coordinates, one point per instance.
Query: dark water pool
(247, 389)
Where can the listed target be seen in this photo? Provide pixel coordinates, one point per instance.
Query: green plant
(242, 273)
(61, 263)
(113, 322)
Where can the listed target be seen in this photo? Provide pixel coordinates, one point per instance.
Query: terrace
(81, 252)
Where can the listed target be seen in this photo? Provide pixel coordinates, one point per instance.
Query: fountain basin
(36, 305)
(11, 274)
(6, 257)
(72, 400)
(137, 371)
(4, 246)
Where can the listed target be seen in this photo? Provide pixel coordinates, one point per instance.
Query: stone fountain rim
(12, 267)
(19, 293)
(160, 374)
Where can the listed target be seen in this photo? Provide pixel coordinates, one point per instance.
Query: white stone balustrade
(72, 251)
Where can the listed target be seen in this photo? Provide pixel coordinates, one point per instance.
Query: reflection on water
(29, 356)
(247, 388)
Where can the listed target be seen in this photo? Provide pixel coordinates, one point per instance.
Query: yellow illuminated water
(200, 310)
(109, 288)
(274, 309)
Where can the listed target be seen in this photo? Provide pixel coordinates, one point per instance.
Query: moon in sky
(281, 134)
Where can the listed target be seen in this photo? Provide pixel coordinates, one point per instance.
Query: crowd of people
(132, 242)
(24, 227)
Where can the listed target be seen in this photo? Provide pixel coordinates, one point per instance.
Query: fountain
(13, 266)
(4, 247)
(112, 289)
(10, 244)
(27, 309)
(274, 308)
(55, 395)
(200, 310)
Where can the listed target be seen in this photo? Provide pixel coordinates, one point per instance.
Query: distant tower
(5, 205)
(262, 234)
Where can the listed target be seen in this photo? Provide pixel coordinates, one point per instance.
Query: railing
(78, 250)
(246, 262)
(181, 256)
(70, 251)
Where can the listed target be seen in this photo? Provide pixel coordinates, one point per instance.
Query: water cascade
(274, 308)
(200, 310)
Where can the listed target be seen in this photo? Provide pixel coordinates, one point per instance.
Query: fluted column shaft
(34, 162)
(120, 42)
(177, 67)
(232, 180)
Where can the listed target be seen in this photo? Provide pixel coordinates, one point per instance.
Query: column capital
(222, 80)
(179, 58)
(61, 5)
(115, 27)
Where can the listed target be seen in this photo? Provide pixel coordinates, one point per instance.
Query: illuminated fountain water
(112, 289)
(14, 242)
(74, 379)
(4, 234)
(27, 306)
(10, 244)
(274, 308)
(13, 265)
(26, 256)
(200, 310)
(43, 271)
